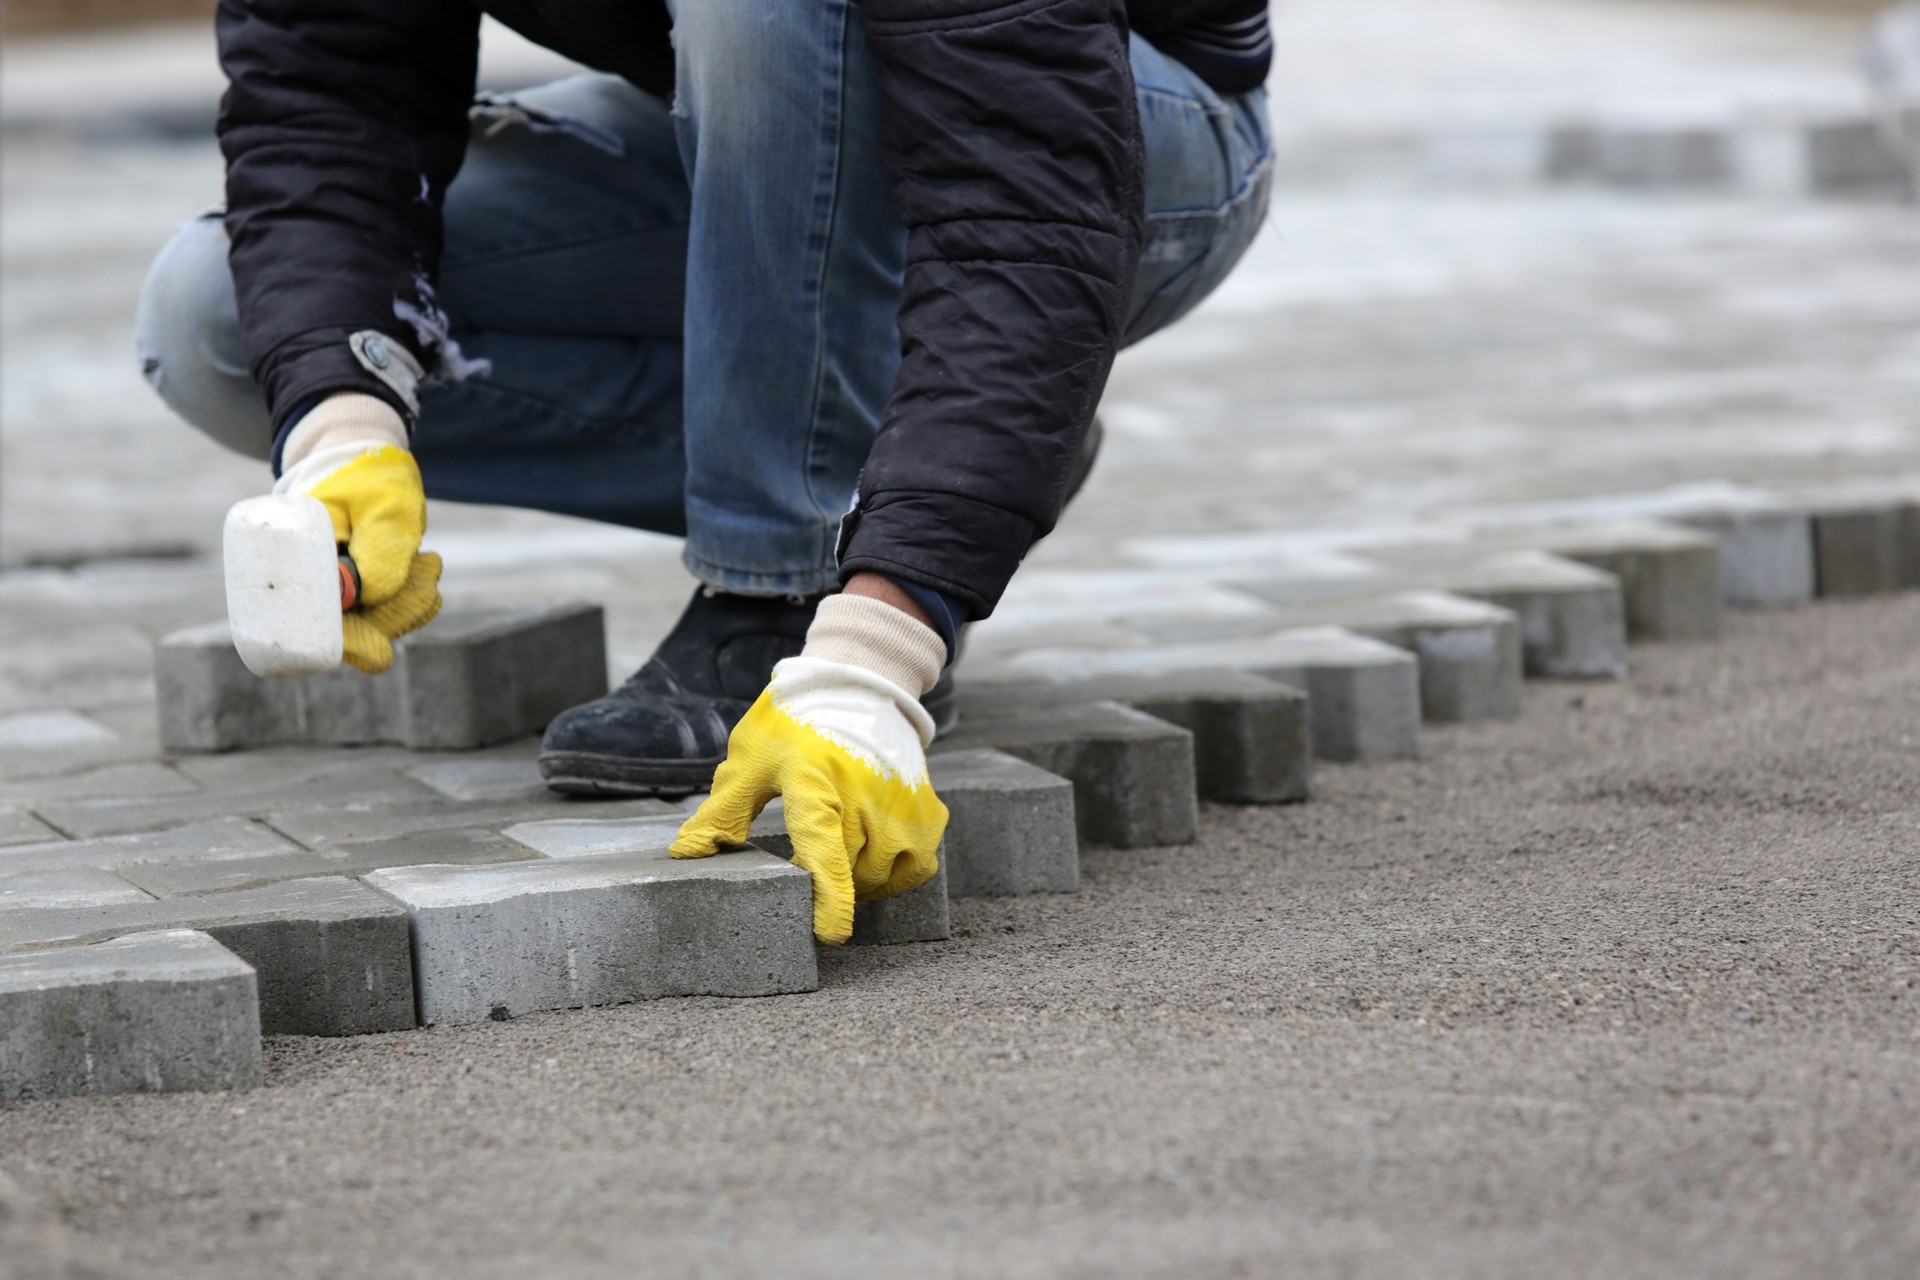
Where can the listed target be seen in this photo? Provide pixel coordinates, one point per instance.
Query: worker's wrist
(864, 631)
(344, 418)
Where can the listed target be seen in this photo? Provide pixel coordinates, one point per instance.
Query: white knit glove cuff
(863, 632)
(346, 418)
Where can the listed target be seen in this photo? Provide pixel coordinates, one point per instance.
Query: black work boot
(665, 730)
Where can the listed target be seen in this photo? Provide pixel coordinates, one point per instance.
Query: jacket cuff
(317, 365)
(959, 546)
(863, 632)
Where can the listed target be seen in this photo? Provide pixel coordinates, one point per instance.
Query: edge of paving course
(530, 906)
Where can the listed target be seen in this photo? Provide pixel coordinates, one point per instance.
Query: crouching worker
(831, 290)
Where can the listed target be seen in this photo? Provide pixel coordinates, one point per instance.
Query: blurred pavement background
(1448, 317)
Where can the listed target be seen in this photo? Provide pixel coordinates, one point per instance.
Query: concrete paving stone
(136, 742)
(1857, 547)
(41, 730)
(1468, 650)
(1669, 575)
(1363, 694)
(1846, 155)
(325, 828)
(212, 841)
(470, 678)
(491, 675)
(595, 837)
(456, 847)
(918, 915)
(1642, 155)
(140, 779)
(260, 767)
(1010, 829)
(209, 701)
(157, 1012)
(1132, 774)
(494, 942)
(1252, 740)
(17, 826)
(1766, 556)
(75, 887)
(483, 779)
(1850, 156)
(332, 956)
(1572, 617)
(78, 656)
(1909, 540)
(118, 815)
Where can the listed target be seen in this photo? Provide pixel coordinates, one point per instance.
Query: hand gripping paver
(918, 915)
(152, 1013)
(493, 942)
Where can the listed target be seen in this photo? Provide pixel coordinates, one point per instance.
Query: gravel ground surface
(1625, 987)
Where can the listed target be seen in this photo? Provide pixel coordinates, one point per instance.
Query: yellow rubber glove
(350, 453)
(841, 735)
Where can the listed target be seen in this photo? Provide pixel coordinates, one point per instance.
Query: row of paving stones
(1831, 153)
(352, 891)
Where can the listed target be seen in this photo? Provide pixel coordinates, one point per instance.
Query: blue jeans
(690, 311)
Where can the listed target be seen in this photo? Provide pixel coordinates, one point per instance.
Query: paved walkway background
(1397, 350)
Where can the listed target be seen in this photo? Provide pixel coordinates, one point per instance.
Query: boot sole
(582, 773)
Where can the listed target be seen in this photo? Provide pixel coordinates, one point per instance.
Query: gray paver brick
(331, 956)
(120, 815)
(594, 837)
(66, 887)
(1011, 827)
(1132, 774)
(505, 940)
(125, 780)
(1859, 549)
(46, 730)
(1251, 735)
(1669, 575)
(469, 678)
(918, 915)
(1572, 617)
(17, 826)
(209, 701)
(487, 677)
(457, 847)
(1363, 694)
(1468, 650)
(259, 767)
(483, 779)
(324, 828)
(156, 1013)
(199, 841)
(1766, 556)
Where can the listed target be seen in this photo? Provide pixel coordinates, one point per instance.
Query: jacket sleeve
(342, 124)
(1014, 137)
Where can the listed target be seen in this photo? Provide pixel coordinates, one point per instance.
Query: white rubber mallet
(287, 585)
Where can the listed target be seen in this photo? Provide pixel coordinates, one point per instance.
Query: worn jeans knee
(187, 333)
